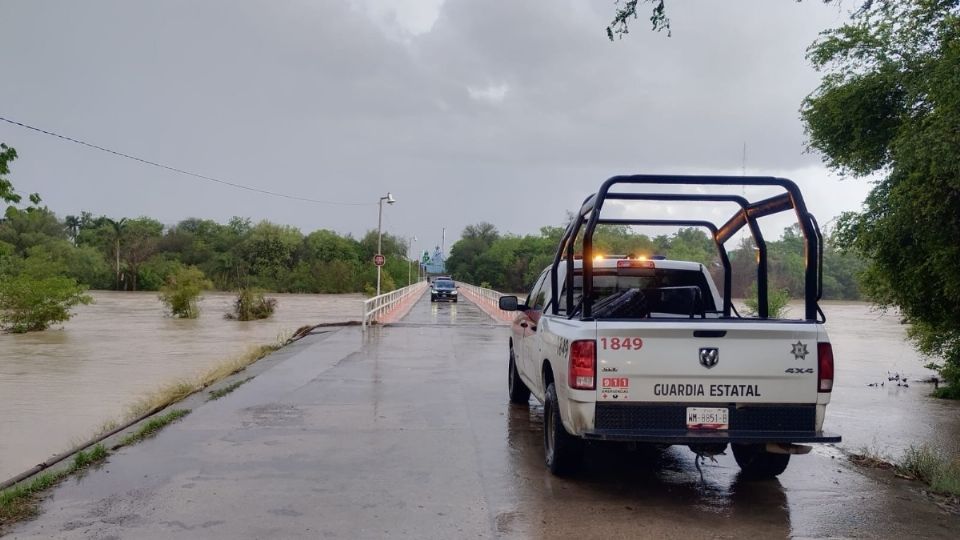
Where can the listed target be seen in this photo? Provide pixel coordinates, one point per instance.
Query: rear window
(632, 293)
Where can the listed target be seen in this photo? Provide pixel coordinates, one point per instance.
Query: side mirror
(508, 303)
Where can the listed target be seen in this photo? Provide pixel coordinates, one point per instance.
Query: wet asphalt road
(407, 433)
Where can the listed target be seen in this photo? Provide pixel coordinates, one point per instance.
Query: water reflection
(621, 488)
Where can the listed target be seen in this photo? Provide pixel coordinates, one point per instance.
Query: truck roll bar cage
(746, 216)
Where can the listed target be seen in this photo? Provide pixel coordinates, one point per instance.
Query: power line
(178, 170)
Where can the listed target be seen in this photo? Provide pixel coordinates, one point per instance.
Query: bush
(932, 468)
(29, 304)
(250, 305)
(155, 272)
(182, 291)
(777, 301)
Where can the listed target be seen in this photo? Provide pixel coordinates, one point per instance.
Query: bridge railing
(487, 299)
(376, 308)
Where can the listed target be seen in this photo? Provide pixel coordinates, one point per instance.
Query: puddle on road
(61, 385)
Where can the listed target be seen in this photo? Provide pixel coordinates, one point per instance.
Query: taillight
(825, 373)
(583, 365)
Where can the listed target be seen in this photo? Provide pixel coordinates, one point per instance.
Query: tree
(72, 224)
(116, 229)
(889, 106)
(7, 193)
(30, 304)
(141, 237)
(182, 292)
(627, 12)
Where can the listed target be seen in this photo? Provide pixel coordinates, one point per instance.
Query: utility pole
(390, 200)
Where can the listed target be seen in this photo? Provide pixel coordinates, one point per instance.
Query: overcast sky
(466, 110)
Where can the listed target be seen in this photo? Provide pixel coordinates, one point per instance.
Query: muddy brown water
(60, 386)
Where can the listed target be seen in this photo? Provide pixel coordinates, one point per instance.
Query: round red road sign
(379, 259)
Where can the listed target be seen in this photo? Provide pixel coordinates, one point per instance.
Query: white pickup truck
(647, 350)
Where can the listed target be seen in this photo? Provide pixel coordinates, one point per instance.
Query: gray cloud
(503, 111)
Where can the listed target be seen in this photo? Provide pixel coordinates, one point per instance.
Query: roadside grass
(152, 426)
(179, 389)
(21, 501)
(217, 394)
(926, 465)
(920, 463)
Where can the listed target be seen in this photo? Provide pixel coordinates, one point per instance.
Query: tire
(433, 298)
(517, 389)
(756, 463)
(454, 300)
(563, 452)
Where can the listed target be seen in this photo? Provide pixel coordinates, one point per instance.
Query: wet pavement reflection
(406, 432)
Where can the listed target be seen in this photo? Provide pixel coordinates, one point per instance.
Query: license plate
(708, 418)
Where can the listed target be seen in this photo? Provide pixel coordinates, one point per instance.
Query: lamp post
(413, 242)
(390, 200)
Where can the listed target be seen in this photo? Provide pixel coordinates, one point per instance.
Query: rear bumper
(670, 436)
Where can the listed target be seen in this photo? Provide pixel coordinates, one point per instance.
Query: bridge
(402, 429)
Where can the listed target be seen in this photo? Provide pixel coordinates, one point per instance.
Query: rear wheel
(563, 452)
(756, 462)
(519, 393)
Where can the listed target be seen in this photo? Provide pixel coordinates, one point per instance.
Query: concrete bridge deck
(406, 432)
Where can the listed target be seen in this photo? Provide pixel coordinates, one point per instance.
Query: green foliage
(251, 305)
(217, 394)
(153, 425)
(33, 300)
(889, 106)
(512, 263)
(182, 291)
(157, 270)
(932, 468)
(777, 300)
(7, 193)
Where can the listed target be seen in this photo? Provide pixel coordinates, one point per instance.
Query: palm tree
(72, 223)
(118, 227)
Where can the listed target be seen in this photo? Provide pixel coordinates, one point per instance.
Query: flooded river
(58, 387)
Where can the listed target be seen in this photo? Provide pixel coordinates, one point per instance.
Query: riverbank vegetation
(887, 109)
(141, 253)
(181, 292)
(509, 262)
(920, 463)
(252, 305)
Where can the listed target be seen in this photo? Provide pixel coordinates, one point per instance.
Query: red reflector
(627, 263)
(583, 365)
(825, 373)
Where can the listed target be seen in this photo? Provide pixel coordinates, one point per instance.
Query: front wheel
(757, 463)
(563, 452)
(519, 393)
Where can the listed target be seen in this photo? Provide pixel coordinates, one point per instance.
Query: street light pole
(410, 262)
(390, 200)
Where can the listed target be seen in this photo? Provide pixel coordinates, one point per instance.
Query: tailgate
(700, 362)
